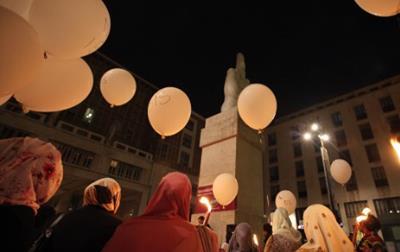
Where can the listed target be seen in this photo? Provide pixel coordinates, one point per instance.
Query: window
(320, 165)
(379, 175)
(337, 119)
(124, 170)
(273, 156)
(190, 125)
(372, 153)
(295, 132)
(275, 189)
(297, 149)
(353, 209)
(88, 116)
(360, 112)
(351, 185)
(274, 173)
(366, 131)
(345, 154)
(185, 157)
(317, 144)
(163, 151)
(299, 168)
(340, 138)
(386, 104)
(187, 141)
(394, 124)
(322, 185)
(272, 139)
(75, 156)
(302, 189)
(387, 206)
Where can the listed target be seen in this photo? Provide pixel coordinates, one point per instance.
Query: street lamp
(323, 137)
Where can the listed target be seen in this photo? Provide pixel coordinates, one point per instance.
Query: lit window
(89, 115)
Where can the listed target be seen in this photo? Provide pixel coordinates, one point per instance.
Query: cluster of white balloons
(41, 48)
(380, 8)
(257, 106)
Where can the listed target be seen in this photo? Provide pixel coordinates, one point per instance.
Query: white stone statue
(235, 82)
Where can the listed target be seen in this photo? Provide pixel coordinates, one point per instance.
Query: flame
(255, 239)
(361, 218)
(396, 146)
(366, 211)
(206, 202)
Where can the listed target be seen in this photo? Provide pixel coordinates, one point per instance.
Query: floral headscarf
(31, 171)
(282, 225)
(323, 232)
(105, 192)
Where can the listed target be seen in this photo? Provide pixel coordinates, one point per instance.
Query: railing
(133, 150)
(80, 132)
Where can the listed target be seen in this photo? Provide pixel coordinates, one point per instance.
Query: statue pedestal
(229, 146)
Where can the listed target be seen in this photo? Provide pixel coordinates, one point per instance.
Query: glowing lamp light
(396, 146)
(366, 211)
(361, 218)
(255, 240)
(307, 136)
(204, 201)
(314, 127)
(325, 137)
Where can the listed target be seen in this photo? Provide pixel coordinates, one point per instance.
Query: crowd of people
(31, 172)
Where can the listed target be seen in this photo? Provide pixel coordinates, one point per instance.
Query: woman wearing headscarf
(371, 241)
(241, 240)
(30, 174)
(323, 232)
(164, 226)
(90, 227)
(284, 237)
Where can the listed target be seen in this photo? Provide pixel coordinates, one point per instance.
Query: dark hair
(267, 228)
(201, 217)
(103, 194)
(372, 223)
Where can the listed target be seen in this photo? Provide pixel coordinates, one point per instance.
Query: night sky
(305, 51)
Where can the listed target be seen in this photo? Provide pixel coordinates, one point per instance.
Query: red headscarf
(164, 226)
(30, 171)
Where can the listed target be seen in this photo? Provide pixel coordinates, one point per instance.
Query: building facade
(98, 141)
(360, 125)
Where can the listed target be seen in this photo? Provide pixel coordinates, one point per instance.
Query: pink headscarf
(30, 171)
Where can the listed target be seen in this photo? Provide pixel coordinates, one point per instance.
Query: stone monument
(229, 146)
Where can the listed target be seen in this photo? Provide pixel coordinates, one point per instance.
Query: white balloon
(225, 188)
(287, 200)
(61, 85)
(341, 171)
(257, 106)
(21, 7)
(169, 111)
(5, 99)
(381, 8)
(70, 28)
(21, 56)
(117, 86)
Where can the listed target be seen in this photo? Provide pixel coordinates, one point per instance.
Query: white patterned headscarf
(31, 171)
(323, 232)
(282, 225)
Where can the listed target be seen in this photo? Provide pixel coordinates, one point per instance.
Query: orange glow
(361, 218)
(396, 146)
(255, 239)
(206, 202)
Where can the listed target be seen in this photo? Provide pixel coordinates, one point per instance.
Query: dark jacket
(86, 229)
(16, 225)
